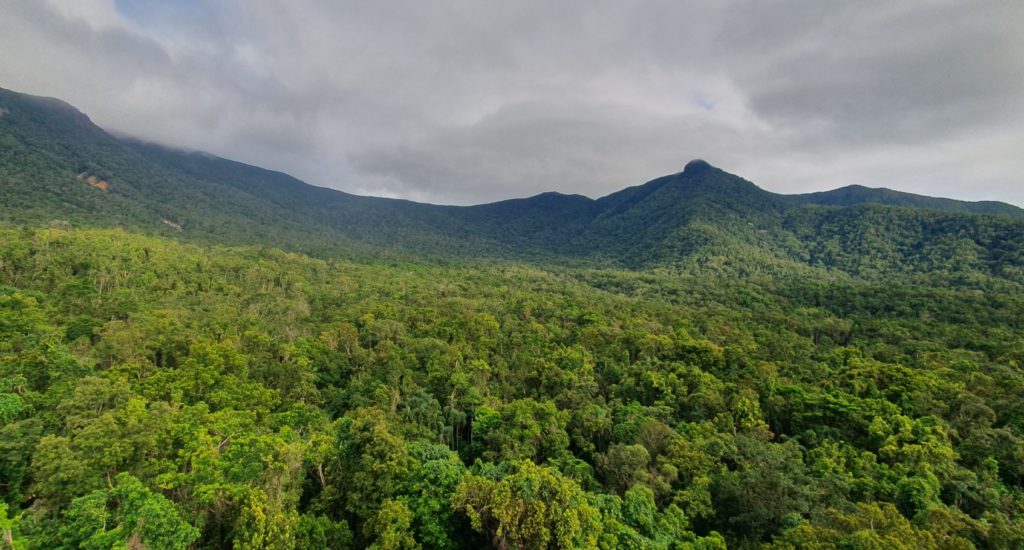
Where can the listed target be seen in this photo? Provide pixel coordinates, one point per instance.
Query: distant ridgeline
(58, 167)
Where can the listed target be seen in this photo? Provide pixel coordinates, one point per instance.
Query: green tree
(534, 507)
(391, 528)
(127, 515)
(870, 526)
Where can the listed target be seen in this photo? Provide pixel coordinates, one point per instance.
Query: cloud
(462, 102)
(534, 146)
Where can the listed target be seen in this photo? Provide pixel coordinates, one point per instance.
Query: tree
(534, 507)
(391, 528)
(373, 461)
(428, 494)
(7, 526)
(128, 515)
(768, 489)
(625, 465)
(262, 526)
(869, 526)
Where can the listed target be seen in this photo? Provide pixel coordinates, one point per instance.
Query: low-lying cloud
(465, 102)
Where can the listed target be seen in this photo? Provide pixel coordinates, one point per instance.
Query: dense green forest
(160, 394)
(197, 353)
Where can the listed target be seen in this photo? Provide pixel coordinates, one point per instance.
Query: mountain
(858, 194)
(56, 166)
(693, 362)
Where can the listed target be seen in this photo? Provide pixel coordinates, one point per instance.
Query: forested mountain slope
(55, 165)
(198, 353)
(858, 194)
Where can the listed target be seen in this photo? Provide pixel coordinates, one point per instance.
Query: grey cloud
(532, 147)
(878, 72)
(461, 102)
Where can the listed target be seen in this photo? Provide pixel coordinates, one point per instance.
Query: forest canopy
(160, 394)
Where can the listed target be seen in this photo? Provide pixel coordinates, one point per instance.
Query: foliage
(772, 374)
(175, 395)
(534, 507)
(700, 218)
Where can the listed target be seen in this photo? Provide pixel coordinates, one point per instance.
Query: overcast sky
(471, 101)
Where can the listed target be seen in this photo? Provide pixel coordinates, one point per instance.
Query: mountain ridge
(827, 197)
(699, 215)
(860, 194)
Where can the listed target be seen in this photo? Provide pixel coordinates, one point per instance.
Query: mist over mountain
(58, 166)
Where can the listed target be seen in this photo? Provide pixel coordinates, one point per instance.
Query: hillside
(198, 353)
(858, 194)
(57, 166)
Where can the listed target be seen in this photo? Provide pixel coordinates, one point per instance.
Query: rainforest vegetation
(159, 394)
(204, 354)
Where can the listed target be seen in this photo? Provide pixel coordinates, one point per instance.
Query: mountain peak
(696, 166)
(43, 109)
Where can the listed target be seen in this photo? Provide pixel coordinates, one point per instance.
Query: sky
(463, 102)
